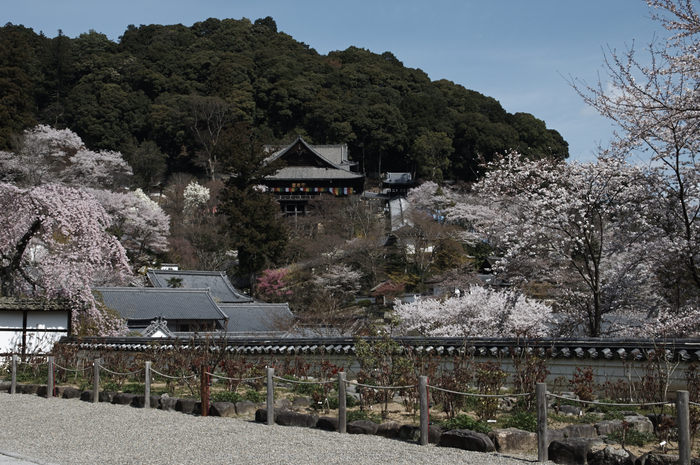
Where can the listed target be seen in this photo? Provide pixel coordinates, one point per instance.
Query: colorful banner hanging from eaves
(332, 190)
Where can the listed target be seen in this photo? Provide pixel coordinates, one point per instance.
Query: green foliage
(633, 437)
(353, 415)
(227, 396)
(255, 396)
(522, 420)
(466, 422)
(333, 401)
(134, 388)
(118, 95)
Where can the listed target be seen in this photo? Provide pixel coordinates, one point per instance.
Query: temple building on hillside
(310, 170)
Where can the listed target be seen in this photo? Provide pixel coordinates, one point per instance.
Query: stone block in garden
(640, 423)
(245, 407)
(390, 430)
(611, 456)
(409, 433)
(122, 398)
(327, 423)
(580, 431)
(282, 403)
(155, 401)
(572, 451)
(71, 393)
(291, 418)
(555, 435)
(28, 388)
(660, 459)
(139, 401)
(467, 440)
(222, 409)
(169, 404)
(42, 391)
(261, 414)
(86, 396)
(106, 396)
(513, 440)
(301, 402)
(186, 405)
(607, 427)
(434, 434)
(570, 410)
(362, 427)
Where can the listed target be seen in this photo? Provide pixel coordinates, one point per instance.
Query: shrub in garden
(490, 378)
(522, 420)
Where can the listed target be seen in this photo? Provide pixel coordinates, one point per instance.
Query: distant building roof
(256, 317)
(216, 281)
(313, 162)
(148, 303)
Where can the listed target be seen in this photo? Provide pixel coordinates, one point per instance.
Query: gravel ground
(73, 432)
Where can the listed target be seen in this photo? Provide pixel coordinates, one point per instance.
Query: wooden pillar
(542, 444)
(147, 386)
(13, 385)
(423, 397)
(270, 396)
(50, 380)
(342, 403)
(205, 390)
(683, 423)
(96, 381)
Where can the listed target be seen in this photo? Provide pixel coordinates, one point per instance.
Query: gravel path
(73, 432)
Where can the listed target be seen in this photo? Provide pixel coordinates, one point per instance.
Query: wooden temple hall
(309, 171)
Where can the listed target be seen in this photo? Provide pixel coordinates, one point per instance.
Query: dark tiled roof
(684, 350)
(33, 303)
(216, 281)
(332, 163)
(257, 317)
(148, 303)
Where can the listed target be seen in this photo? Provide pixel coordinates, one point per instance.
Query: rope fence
(541, 395)
(234, 379)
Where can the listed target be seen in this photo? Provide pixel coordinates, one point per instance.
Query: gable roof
(216, 281)
(149, 303)
(313, 162)
(34, 303)
(257, 317)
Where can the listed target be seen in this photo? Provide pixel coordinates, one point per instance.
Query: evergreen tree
(254, 219)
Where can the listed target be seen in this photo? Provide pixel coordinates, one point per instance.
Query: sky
(523, 53)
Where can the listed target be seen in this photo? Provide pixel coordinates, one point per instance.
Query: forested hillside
(161, 94)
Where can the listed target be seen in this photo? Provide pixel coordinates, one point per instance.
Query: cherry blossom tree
(654, 101)
(479, 312)
(54, 243)
(53, 155)
(140, 224)
(272, 285)
(581, 228)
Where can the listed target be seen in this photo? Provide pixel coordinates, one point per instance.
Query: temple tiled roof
(257, 317)
(216, 281)
(148, 303)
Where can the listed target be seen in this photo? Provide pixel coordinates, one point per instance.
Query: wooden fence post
(270, 396)
(205, 390)
(542, 443)
(147, 386)
(342, 404)
(423, 397)
(13, 386)
(50, 380)
(96, 381)
(683, 423)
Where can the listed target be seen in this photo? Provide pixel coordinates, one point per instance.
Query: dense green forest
(161, 95)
